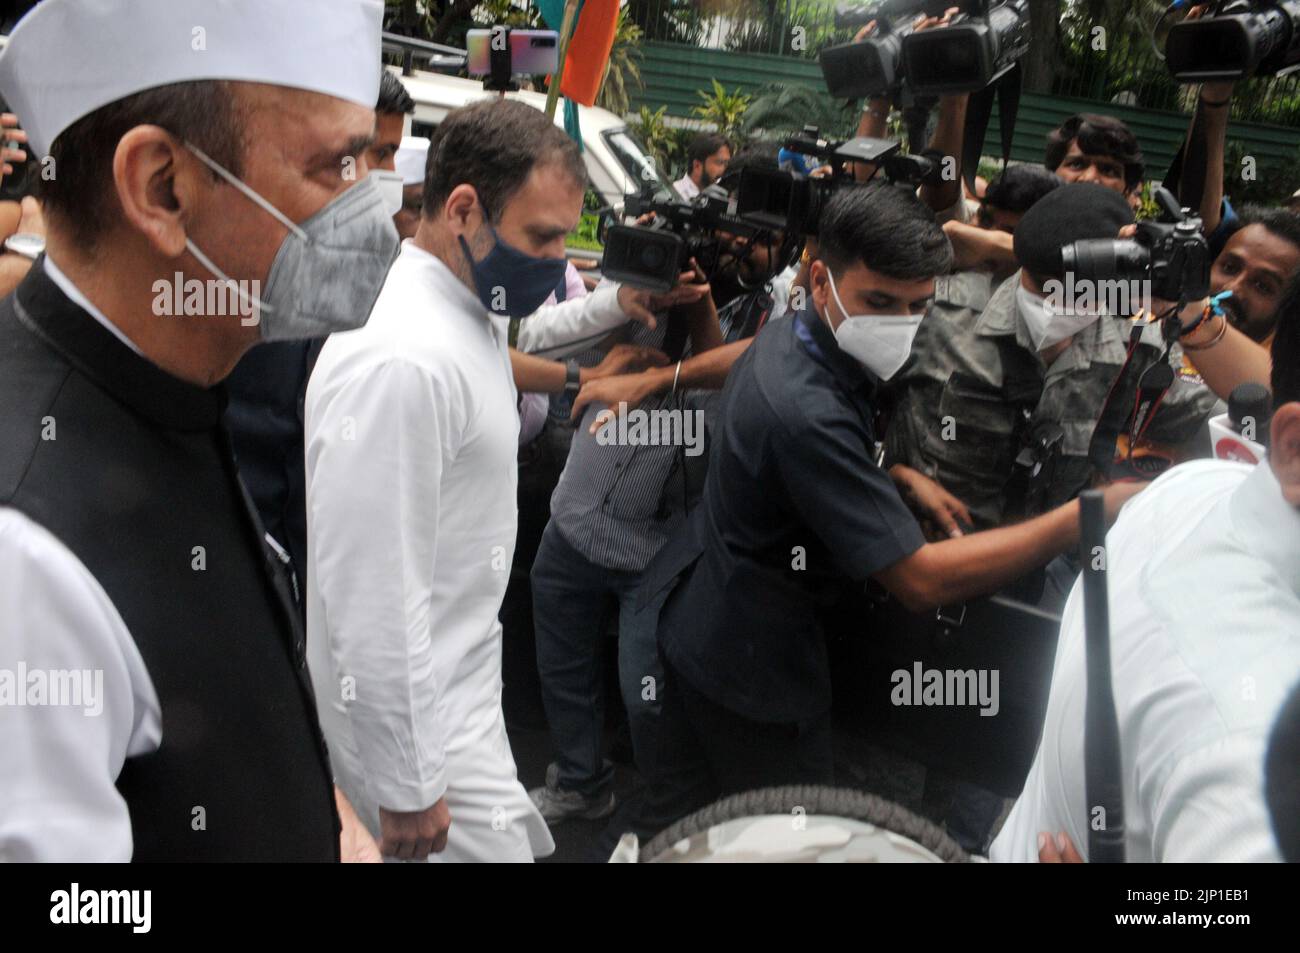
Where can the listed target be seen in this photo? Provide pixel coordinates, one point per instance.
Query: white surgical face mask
(329, 270)
(1048, 326)
(879, 342)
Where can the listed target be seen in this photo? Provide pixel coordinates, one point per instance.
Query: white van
(615, 162)
(616, 165)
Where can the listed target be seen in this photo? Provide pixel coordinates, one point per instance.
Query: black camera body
(1170, 253)
(651, 256)
(871, 68)
(790, 202)
(1239, 38)
(968, 55)
(978, 47)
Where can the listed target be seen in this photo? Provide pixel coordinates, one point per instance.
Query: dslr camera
(791, 202)
(1169, 252)
(978, 46)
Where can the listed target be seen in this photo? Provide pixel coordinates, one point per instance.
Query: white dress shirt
(411, 433)
(1203, 571)
(58, 794)
(686, 188)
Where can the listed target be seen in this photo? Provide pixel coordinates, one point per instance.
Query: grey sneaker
(556, 804)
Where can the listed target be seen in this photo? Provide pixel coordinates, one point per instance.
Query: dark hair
(1281, 222)
(1020, 186)
(1286, 347)
(393, 97)
(1282, 778)
(494, 145)
(81, 197)
(1097, 135)
(1075, 212)
(759, 156)
(703, 146)
(887, 228)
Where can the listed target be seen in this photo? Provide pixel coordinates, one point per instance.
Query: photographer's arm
(1225, 357)
(537, 375)
(706, 369)
(702, 318)
(957, 569)
(947, 140)
(980, 248)
(1208, 137)
(875, 116)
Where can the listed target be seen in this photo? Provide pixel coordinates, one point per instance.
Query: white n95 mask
(328, 271)
(879, 342)
(1047, 326)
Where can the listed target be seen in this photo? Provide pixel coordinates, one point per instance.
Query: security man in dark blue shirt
(795, 508)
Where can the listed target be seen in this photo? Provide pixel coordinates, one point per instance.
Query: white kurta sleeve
(375, 465)
(1211, 808)
(64, 748)
(578, 324)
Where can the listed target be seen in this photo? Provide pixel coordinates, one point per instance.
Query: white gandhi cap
(68, 58)
(411, 158)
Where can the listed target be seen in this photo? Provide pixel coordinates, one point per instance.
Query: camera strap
(979, 112)
(1153, 385)
(1132, 401)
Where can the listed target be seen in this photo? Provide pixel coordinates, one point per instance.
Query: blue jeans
(572, 598)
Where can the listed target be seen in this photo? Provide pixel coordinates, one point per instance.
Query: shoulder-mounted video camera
(978, 46)
(1238, 38)
(792, 202)
(653, 255)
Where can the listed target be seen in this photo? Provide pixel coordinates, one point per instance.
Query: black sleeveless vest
(140, 484)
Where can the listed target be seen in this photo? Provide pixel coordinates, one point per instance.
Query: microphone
(1242, 433)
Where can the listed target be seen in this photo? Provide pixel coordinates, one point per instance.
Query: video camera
(984, 41)
(653, 255)
(793, 203)
(1239, 38)
(1170, 252)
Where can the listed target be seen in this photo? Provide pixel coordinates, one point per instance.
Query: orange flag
(593, 38)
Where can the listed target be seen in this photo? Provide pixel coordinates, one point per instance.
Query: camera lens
(652, 256)
(1106, 259)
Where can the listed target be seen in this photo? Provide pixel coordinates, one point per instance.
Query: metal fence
(1127, 71)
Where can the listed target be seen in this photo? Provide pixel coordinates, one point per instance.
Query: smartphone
(535, 52)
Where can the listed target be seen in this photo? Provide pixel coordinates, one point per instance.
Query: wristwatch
(28, 244)
(572, 376)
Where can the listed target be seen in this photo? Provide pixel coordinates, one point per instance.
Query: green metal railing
(674, 73)
(1126, 69)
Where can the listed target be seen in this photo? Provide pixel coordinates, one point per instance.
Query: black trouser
(706, 751)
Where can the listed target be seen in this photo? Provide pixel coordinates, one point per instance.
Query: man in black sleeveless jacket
(207, 181)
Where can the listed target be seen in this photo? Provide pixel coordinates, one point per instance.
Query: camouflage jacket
(975, 397)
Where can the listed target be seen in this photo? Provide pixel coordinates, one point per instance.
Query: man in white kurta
(1204, 581)
(411, 441)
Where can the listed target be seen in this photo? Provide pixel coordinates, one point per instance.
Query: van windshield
(641, 167)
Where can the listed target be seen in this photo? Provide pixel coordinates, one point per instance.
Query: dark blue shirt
(793, 510)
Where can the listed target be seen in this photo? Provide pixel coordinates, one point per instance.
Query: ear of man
(1284, 450)
(462, 211)
(158, 187)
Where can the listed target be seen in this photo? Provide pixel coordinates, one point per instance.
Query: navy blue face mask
(511, 283)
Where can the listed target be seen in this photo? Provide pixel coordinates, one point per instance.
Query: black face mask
(511, 282)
